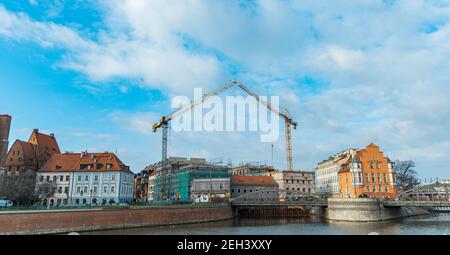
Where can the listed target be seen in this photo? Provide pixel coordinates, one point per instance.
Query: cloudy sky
(98, 73)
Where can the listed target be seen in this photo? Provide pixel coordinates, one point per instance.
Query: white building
(87, 179)
(210, 189)
(151, 186)
(327, 181)
(294, 184)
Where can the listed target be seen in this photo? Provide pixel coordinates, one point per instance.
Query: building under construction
(252, 169)
(175, 177)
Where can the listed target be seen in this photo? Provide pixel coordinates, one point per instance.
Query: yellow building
(368, 174)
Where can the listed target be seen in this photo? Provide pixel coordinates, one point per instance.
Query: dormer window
(108, 166)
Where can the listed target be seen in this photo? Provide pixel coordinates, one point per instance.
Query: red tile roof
(78, 162)
(45, 142)
(253, 180)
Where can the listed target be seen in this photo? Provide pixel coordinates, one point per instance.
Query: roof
(253, 180)
(44, 141)
(28, 152)
(151, 167)
(78, 162)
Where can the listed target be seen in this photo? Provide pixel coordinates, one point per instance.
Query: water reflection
(436, 224)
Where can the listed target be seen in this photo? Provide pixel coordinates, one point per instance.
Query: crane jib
(288, 121)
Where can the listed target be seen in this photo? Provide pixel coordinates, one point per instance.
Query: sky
(99, 73)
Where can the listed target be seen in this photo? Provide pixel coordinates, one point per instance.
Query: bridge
(265, 197)
(436, 195)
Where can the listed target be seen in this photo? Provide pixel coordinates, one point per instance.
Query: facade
(326, 173)
(294, 184)
(254, 186)
(5, 125)
(87, 179)
(210, 190)
(30, 156)
(141, 182)
(368, 174)
(151, 187)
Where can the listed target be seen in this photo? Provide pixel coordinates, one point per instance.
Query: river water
(434, 224)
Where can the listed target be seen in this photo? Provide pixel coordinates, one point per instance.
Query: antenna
(272, 154)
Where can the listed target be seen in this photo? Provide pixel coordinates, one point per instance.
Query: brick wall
(67, 221)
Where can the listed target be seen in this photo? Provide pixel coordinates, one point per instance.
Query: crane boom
(289, 122)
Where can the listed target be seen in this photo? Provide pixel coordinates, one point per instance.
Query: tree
(45, 190)
(19, 188)
(406, 175)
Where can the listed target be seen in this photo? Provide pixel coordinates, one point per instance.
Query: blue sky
(98, 73)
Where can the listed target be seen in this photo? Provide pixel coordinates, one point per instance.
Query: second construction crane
(289, 122)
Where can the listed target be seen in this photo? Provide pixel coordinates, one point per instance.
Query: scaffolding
(179, 182)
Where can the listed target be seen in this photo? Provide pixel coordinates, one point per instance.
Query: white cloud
(386, 70)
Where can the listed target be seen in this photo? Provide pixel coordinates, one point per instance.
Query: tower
(5, 124)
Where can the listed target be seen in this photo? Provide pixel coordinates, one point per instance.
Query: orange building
(367, 174)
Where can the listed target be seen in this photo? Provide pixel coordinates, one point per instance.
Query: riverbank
(63, 221)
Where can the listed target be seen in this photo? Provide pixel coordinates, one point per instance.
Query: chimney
(35, 130)
(5, 124)
(52, 135)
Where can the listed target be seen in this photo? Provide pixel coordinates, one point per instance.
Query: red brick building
(31, 155)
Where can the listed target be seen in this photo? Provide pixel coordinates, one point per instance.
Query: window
(79, 178)
(66, 190)
(41, 178)
(367, 178)
(61, 178)
(95, 189)
(54, 178)
(374, 189)
(78, 190)
(86, 178)
(67, 178)
(60, 190)
(105, 189)
(221, 186)
(113, 177)
(378, 177)
(96, 178)
(373, 177)
(386, 189)
(368, 189)
(85, 190)
(113, 189)
(384, 177)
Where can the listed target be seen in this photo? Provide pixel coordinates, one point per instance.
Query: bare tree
(406, 175)
(19, 188)
(45, 190)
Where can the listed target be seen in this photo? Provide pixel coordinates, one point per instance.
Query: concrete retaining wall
(89, 220)
(365, 210)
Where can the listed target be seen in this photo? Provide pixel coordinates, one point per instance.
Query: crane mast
(164, 122)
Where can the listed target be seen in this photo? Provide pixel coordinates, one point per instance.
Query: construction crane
(289, 122)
